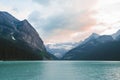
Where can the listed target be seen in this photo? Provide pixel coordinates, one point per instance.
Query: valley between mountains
(20, 41)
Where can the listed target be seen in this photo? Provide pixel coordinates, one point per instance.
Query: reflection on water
(64, 70)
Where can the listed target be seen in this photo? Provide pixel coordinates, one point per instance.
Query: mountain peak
(92, 36)
(7, 19)
(117, 34)
(4, 15)
(3, 12)
(95, 35)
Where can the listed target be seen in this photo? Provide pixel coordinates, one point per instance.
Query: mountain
(59, 49)
(19, 40)
(103, 47)
(115, 35)
(91, 37)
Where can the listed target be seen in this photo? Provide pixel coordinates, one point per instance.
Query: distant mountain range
(96, 47)
(59, 49)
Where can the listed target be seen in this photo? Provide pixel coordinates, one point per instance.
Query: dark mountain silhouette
(19, 40)
(103, 47)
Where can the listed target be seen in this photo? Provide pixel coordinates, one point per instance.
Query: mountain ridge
(104, 47)
(27, 43)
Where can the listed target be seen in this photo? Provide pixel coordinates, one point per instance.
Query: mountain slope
(19, 40)
(101, 48)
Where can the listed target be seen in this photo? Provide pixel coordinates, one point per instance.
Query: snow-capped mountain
(105, 38)
(116, 35)
(91, 37)
(59, 49)
(96, 47)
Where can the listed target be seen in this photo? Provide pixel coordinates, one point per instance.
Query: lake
(60, 70)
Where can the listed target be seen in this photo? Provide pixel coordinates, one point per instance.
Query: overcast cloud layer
(66, 20)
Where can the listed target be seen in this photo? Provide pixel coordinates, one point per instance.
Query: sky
(59, 21)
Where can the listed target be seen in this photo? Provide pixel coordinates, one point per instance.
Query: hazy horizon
(59, 21)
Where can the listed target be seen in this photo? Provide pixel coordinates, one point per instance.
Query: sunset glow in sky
(66, 20)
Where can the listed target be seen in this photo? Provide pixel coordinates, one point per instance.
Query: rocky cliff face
(19, 40)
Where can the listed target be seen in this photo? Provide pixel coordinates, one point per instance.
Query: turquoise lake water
(60, 70)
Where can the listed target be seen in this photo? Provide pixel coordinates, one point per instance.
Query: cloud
(66, 20)
(107, 16)
(55, 20)
(50, 25)
(42, 2)
(19, 8)
(35, 18)
(15, 9)
(63, 18)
